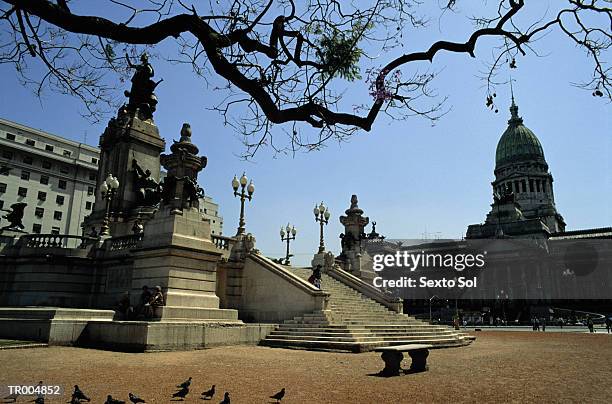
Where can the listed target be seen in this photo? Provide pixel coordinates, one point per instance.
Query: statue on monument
(147, 189)
(15, 216)
(141, 95)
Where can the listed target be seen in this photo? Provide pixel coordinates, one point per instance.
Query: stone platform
(97, 329)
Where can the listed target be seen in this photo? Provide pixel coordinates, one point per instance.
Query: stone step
(359, 346)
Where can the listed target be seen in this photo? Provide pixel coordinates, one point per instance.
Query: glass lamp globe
(321, 208)
(316, 210)
(243, 180)
(114, 183)
(282, 232)
(327, 214)
(235, 183)
(251, 188)
(293, 231)
(104, 187)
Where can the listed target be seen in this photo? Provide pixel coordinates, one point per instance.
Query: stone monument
(354, 258)
(130, 149)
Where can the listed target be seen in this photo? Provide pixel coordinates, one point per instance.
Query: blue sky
(410, 177)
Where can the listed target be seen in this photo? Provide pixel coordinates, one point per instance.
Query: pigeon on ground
(279, 396)
(111, 400)
(39, 400)
(208, 395)
(78, 395)
(185, 384)
(135, 399)
(182, 393)
(226, 398)
(13, 397)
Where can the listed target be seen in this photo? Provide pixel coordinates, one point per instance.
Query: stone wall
(263, 291)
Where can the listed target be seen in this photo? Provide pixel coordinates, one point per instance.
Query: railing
(222, 242)
(55, 241)
(125, 242)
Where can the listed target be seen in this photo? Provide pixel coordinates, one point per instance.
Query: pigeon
(181, 393)
(226, 398)
(279, 396)
(13, 397)
(111, 400)
(39, 400)
(208, 395)
(135, 399)
(78, 395)
(185, 384)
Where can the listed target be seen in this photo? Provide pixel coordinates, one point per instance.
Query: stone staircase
(356, 323)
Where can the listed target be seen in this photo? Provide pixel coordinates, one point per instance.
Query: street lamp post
(287, 234)
(108, 190)
(322, 216)
(242, 183)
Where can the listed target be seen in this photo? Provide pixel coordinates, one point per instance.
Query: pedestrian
(533, 325)
(315, 278)
(590, 323)
(537, 324)
(609, 324)
(543, 324)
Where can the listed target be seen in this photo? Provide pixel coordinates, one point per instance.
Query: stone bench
(393, 356)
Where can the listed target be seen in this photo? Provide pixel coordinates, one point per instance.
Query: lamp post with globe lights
(108, 189)
(322, 216)
(287, 234)
(242, 184)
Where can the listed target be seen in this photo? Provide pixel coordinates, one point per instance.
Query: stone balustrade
(222, 242)
(125, 242)
(55, 241)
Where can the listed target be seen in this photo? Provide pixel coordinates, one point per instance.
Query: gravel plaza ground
(498, 367)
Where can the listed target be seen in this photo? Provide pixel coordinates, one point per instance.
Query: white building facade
(56, 178)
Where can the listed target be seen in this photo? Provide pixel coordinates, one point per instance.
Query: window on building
(57, 215)
(7, 154)
(4, 170)
(25, 175)
(538, 185)
(46, 165)
(36, 228)
(59, 200)
(42, 196)
(55, 230)
(2, 187)
(22, 191)
(94, 160)
(10, 136)
(88, 205)
(1, 204)
(28, 160)
(90, 190)
(62, 184)
(30, 142)
(64, 170)
(523, 185)
(39, 212)
(67, 153)
(530, 185)
(92, 176)
(49, 147)
(44, 179)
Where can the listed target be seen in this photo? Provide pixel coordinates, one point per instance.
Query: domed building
(524, 200)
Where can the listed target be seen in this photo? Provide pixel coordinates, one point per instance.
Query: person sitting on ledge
(144, 307)
(124, 307)
(157, 299)
(315, 278)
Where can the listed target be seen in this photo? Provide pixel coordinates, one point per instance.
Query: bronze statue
(147, 189)
(141, 95)
(15, 216)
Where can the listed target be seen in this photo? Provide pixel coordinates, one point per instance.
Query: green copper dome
(518, 143)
